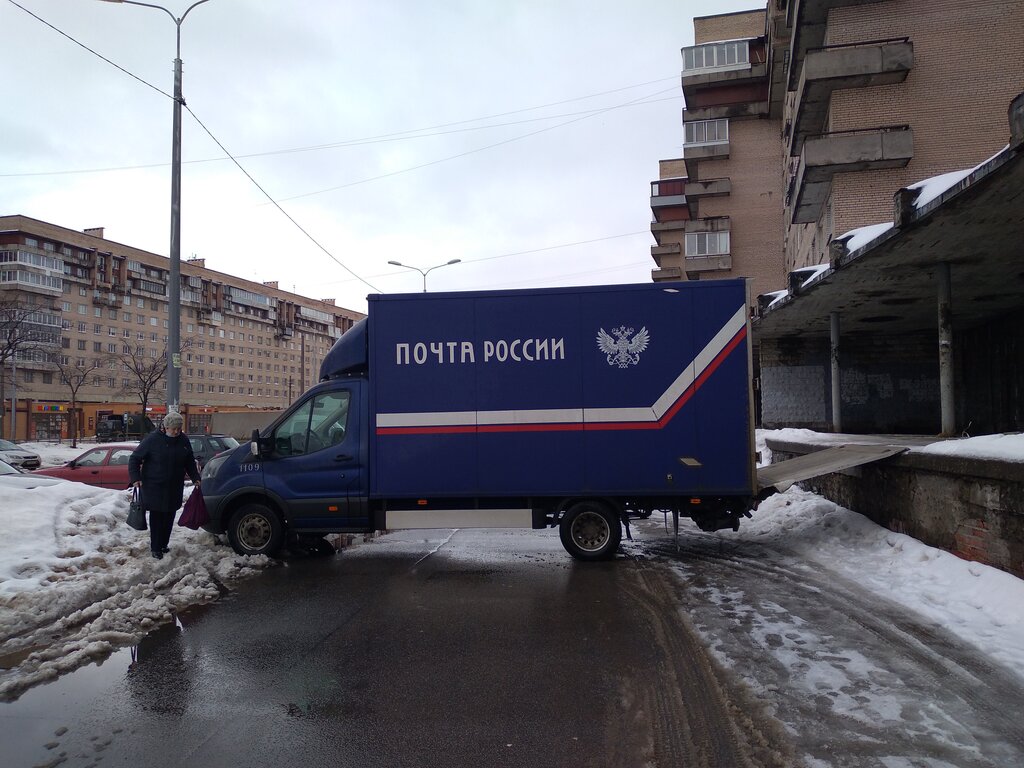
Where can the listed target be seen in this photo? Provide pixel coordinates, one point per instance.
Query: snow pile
(981, 604)
(71, 568)
(1001, 447)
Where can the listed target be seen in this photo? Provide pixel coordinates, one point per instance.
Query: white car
(18, 457)
(11, 477)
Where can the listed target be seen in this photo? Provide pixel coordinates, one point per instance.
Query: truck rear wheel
(255, 530)
(590, 531)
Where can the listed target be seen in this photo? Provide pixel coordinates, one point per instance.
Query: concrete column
(837, 399)
(946, 400)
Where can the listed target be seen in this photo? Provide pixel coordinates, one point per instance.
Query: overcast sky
(502, 134)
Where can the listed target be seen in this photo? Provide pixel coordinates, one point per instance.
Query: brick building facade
(803, 119)
(244, 344)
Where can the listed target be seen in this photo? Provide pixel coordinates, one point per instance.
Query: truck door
(314, 462)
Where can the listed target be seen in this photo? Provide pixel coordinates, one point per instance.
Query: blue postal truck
(568, 407)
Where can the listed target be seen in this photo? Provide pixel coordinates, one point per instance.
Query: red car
(105, 466)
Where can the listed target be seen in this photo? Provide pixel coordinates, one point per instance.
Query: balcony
(658, 228)
(669, 273)
(666, 255)
(708, 188)
(809, 19)
(694, 153)
(750, 73)
(861, 65)
(105, 299)
(824, 156)
(667, 199)
(717, 263)
(723, 64)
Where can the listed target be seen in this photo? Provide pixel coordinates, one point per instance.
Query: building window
(734, 54)
(707, 244)
(707, 132)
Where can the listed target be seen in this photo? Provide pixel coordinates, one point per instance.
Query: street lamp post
(174, 285)
(425, 271)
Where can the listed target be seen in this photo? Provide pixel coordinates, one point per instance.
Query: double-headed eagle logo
(624, 350)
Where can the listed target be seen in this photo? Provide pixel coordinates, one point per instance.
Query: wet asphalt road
(428, 648)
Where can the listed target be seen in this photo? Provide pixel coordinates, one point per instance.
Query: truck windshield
(318, 423)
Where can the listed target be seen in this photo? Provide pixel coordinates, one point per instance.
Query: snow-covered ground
(76, 581)
(978, 603)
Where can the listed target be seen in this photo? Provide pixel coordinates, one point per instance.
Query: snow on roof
(929, 189)
(858, 238)
(811, 273)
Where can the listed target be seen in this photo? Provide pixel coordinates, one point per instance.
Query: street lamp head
(397, 263)
(454, 261)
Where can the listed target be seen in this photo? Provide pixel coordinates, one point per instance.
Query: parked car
(205, 447)
(105, 466)
(12, 477)
(19, 457)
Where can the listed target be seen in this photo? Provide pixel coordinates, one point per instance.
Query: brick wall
(967, 69)
(754, 204)
(970, 507)
(887, 384)
(728, 26)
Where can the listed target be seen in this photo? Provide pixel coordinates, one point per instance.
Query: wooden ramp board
(782, 475)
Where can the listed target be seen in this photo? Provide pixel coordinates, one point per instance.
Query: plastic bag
(194, 515)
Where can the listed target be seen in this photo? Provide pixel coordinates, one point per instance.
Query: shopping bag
(194, 515)
(136, 514)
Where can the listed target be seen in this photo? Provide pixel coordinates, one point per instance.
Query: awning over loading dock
(782, 475)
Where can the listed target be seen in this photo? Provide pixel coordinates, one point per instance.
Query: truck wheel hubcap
(254, 531)
(590, 531)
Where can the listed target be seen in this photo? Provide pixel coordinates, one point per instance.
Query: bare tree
(74, 378)
(144, 371)
(26, 330)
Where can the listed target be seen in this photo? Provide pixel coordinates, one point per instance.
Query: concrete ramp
(782, 475)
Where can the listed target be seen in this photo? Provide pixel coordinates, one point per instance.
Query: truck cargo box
(620, 391)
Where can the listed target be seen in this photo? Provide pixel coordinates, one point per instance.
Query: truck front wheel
(590, 531)
(255, 530)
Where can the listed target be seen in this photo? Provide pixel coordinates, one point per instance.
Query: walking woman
(158, 468)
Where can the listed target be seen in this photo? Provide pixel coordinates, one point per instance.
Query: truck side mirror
(254, 446)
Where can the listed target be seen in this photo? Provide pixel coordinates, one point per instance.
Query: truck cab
(306, 473)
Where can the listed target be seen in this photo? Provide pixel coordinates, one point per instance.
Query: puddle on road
(33, 726)
(182, 621)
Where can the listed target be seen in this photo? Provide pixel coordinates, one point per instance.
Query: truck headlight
(213, 465)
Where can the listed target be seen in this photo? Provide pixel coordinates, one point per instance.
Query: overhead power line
(382, 139)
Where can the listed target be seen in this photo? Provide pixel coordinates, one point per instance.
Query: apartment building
(243, 344)
(881, 95)
(803, 118)
(717, 210)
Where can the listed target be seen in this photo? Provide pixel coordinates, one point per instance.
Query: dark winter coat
(161, 463)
